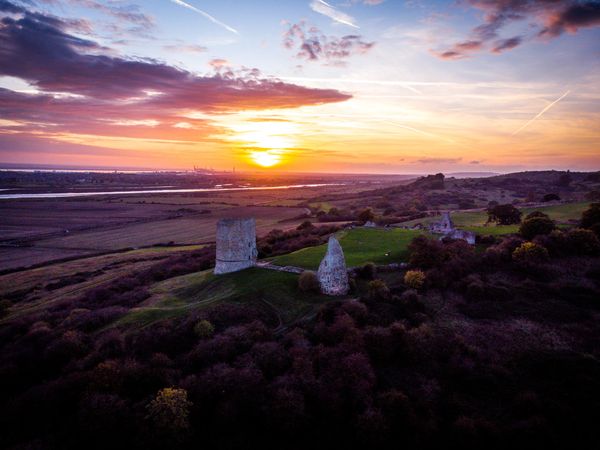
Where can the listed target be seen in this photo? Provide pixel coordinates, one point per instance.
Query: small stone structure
(236, 245)
(332, 273)
(443, 226)
(446, 227)
(468, 236)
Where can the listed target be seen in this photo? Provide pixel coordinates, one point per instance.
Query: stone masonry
(332, 273)
(236, 245)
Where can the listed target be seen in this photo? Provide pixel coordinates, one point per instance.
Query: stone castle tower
(236, 245)
(443, 226)
(332, 273)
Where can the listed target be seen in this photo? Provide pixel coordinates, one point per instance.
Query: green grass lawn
(360, 245)
(276, 292)
(475, 220)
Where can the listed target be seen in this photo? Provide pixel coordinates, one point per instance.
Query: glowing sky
(385, 86)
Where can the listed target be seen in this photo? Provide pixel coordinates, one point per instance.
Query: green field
(475, 220)
(361, 245)
(276, 292)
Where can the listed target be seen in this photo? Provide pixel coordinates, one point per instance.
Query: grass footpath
(361, 245)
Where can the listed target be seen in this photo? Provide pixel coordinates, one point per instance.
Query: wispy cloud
(322, 7)
(205, 14)
(538, 115)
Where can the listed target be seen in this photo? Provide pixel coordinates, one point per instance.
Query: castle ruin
(332, 273)
(236, 245)
(446, 227)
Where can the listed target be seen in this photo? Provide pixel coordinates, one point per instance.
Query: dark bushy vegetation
(489, 353)
(278, 242)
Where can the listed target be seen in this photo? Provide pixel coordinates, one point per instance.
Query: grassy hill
(275, 292)
(361, 245)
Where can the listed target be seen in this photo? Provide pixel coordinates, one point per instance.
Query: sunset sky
(368, 86)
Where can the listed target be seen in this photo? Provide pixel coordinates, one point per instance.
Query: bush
(4, 306)
(308, 282)
(550, 197)
(367, 271)
(306, 225)
(583, 242)
(530, 253)
(590, 216)
(536, 225)
(414, 279)
(426, 253)
(378, 290)
(170, 409)
(204, 329)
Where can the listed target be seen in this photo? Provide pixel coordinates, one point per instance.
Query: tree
(414, 279)
(204, 329)
(590, 216)
(308, 282)
(378, 290)
(504, 214)
(366, 215)
(170, 409)
(583, 242)
(536, 225)
(306, 225)
(529, 252)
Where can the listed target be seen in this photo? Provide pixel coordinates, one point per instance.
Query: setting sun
(266, 158)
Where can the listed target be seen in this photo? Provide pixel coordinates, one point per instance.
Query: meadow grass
(276, 292)
(475, 220)
(361, 245)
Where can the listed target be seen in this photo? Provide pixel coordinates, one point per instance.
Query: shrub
(4, 306)
(170, 409)
(550, 197)
(590, 216)
(583, 242)
(530, 253)
(414, 279)
(533, 214)
(308, 282)
(368, 271)
(204, 329)
(536, 225)
(306, 225)
(378, 290)
(426, 253)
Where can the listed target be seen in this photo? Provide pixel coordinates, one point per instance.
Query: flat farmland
(38, 231)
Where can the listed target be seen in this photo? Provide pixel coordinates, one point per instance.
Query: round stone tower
(236, 245)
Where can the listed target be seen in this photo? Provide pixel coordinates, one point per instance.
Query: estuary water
(161, 191)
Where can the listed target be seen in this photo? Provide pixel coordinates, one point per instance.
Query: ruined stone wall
(236, 245)
(332, 273)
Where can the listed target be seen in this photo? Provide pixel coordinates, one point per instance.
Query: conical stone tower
(332, 273)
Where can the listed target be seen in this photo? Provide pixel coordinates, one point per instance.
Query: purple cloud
(552, 17)
(311, 44)
(84, 90)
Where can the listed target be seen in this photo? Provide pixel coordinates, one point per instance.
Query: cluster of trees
(385, 368)
(278, 242)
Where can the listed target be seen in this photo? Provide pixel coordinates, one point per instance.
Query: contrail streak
(326, 9)
(538, 115)
(205, 14)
